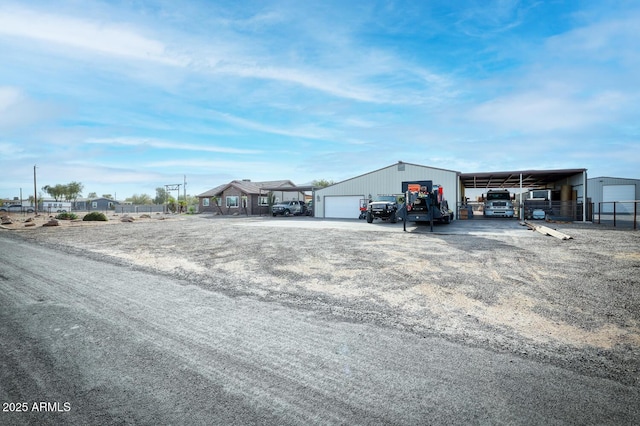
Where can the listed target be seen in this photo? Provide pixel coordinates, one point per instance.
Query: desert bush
(67, 216)
(95, 216)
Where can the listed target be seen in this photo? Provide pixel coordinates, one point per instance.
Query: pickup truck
(16, 208)
(383, 207)
(287, 208)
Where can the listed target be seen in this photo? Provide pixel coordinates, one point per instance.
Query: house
(101, 204)
(247, 197)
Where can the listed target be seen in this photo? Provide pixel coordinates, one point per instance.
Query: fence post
(635, 215)
(614, 214)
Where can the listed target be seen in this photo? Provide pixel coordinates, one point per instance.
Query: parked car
(16, 208)
(287, 208)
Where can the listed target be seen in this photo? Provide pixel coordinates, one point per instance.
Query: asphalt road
(101, 343)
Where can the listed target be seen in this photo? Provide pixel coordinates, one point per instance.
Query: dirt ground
(572, 303)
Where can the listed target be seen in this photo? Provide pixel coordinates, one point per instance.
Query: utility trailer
(425, 202)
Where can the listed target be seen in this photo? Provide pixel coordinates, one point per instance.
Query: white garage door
(618, 193)
(342, 207)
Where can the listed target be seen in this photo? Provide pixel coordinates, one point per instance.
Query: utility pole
(35, 191)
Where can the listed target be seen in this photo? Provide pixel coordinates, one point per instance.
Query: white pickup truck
(16, 208)
(287, 208)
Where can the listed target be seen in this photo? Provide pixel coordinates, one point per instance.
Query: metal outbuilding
(604, 191)
(343, 199)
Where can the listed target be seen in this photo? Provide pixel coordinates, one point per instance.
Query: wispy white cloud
(173, 145)
(18, 110)
(603, 40)
(86, 34)
(541, 112)
(482, 19)
(307, 132)
(344, 77)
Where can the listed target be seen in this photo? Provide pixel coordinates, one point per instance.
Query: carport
(576, 179)
(304, 188)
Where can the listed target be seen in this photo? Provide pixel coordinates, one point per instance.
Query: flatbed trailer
(425, 202)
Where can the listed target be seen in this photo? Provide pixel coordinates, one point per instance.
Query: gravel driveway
(489, 284)
(559, 316)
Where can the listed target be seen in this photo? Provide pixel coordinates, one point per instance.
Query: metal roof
(530, 178)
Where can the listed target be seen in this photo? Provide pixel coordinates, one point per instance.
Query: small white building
(343, 199)
(606, 190)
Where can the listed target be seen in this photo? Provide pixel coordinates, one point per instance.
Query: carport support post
(521, 206)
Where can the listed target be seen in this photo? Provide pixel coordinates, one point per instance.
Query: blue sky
(127, 96)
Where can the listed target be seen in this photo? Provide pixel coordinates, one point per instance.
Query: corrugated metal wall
(595, 185)
(577, 184)
(389, 180)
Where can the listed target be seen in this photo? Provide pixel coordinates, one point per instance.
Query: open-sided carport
(304, 188)
(530, 179)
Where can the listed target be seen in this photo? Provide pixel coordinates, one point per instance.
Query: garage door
(342, 207)
(618, 193)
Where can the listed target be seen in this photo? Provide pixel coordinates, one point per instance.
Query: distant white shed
(606, 190)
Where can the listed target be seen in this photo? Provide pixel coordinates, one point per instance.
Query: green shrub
(95, 216)
(67, 216)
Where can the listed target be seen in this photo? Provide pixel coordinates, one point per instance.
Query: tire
(274, 215)
(369, 217)
(393, 218)
(287, 212)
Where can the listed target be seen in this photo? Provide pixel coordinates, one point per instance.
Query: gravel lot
(484, 283)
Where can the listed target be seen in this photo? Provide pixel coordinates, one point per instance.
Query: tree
(107, 196)
(171, 204)
(322, 183)
(214, 200)
(70, 191)
(140, 199)
(161, 196)
(73, 190)
(56, 192)
(92, 195)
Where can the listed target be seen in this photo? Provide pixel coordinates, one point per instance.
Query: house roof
(248, 187)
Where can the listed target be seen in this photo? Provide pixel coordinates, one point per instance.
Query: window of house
(205, 202)
(94, 204)
(264, 201)
(232, 201)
